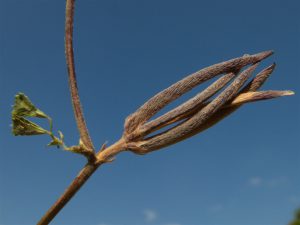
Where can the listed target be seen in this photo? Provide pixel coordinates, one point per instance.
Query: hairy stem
(199, 120)
(93, 164)
(77, 183)
(83, 131)
(104, 155)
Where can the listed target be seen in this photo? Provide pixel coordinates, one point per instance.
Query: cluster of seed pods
(202, 111)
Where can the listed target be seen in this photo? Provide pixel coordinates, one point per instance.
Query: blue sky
(243, 171)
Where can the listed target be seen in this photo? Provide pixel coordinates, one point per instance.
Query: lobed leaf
(23, 107)
(22, 126)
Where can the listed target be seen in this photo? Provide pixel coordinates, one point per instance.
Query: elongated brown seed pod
(229, 108)
(160, 100)
(182, 110)
(183, 130)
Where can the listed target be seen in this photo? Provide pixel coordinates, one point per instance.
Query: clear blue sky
(243, 171)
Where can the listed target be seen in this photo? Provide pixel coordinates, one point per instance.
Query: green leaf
(24, 107)
(22, 126)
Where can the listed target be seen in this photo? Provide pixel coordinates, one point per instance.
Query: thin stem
(91, 166)
(77, 183)
(180, 132)
(104, 155)
(83, 131)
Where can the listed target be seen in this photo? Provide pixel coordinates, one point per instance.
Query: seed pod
(160, 100)
(187, 128)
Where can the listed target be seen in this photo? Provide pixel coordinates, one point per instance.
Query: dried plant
(188, 119)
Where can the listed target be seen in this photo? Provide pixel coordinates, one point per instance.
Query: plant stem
(94, 161)
(83, 131)
(77, 183)
(102, 157)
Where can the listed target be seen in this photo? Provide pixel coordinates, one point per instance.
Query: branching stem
(103, 156)
(197, 114)
(93, 163)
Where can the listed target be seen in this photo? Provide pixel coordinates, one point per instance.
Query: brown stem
(103, 156)
(92, 165)
(180, 132)
(77, 183)
(83, 131)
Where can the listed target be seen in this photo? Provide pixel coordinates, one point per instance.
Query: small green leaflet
(23, 107)
(22, 126)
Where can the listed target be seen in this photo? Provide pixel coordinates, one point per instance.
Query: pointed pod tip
(269, 69)
(268, 53)
(103, 146)
(287, 93)
(272, 66)
(265, 54)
